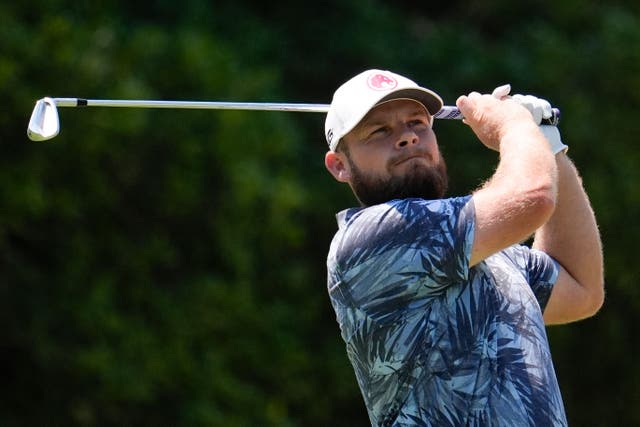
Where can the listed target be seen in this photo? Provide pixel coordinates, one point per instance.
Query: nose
(407, 138)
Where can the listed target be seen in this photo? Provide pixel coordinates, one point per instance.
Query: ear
(337, 165)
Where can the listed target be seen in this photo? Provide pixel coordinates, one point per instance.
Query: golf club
(45, 124)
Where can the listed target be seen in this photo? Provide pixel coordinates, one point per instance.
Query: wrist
(516, 133)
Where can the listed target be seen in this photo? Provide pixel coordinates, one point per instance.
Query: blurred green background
(164, 267)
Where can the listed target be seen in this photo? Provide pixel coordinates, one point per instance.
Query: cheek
(432, 143)
(372, 157)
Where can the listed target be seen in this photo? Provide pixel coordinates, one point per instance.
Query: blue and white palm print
(432, 341)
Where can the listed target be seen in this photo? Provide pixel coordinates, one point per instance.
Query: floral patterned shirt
(432, 341)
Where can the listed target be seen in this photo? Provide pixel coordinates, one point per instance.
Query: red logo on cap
(381, 82)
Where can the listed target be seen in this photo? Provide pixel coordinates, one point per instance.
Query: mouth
(412, 158)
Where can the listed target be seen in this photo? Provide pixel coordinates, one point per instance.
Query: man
(441, 307)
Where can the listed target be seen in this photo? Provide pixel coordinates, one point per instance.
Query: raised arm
(520, 196)
(571, 237)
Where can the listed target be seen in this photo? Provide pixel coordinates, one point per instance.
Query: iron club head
(44, 123)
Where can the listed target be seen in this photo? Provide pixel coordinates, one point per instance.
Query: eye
(378, 131)
(419, 124)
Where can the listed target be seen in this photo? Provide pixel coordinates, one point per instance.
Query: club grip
(453, 113)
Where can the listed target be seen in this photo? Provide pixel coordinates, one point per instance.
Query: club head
(44, 123)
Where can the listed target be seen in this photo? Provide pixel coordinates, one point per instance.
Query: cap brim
(432, 102)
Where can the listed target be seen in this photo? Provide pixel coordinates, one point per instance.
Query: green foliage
(168, 267)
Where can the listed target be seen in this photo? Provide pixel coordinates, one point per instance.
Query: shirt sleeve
(543, 274)
(539, 269)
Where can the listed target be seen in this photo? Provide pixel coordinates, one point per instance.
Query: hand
(538, 107)
(541, 109)
(491, 117)
(553, 136)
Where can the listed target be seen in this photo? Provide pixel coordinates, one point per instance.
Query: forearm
(526, 162)
(519, 197)
(571, 235)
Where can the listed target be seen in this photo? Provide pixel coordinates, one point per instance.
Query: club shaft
(203, 105)
(447, 112)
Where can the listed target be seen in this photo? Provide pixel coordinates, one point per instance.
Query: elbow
(543, 189)
(596, 301)
(591, 303)
(583, 307)
(546, 202)
(541, 203)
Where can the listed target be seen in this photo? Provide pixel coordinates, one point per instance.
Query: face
(391, 154)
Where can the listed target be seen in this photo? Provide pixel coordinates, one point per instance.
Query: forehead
(391, 108)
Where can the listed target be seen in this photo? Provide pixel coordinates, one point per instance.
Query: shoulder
(405, 211)
(410, 217)
(418, 223)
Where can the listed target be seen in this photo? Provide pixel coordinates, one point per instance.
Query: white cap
(353, 100)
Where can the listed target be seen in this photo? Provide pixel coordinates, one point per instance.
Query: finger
(501, 91)
(535, 107)
(466, 105)
(532, 104)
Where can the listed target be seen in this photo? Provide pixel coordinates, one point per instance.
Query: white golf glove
(553, 136)
(501, 91)
(540, 109)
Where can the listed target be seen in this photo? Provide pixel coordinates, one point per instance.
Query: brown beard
(422, 182)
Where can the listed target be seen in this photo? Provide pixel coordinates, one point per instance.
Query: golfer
(440, 304)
